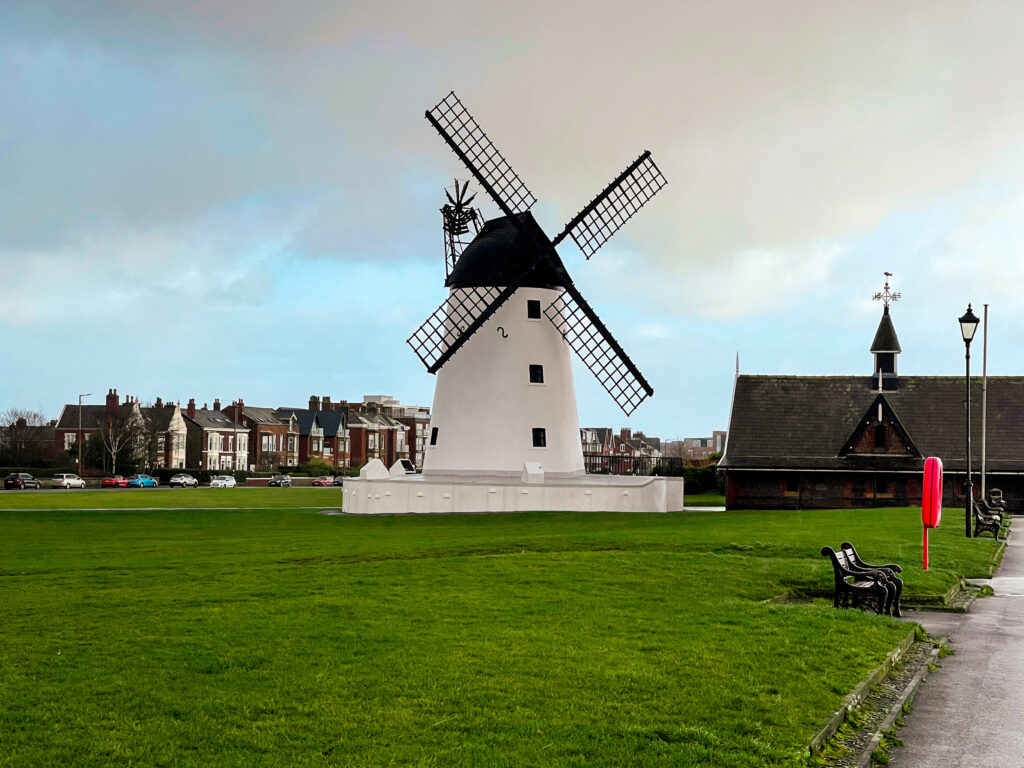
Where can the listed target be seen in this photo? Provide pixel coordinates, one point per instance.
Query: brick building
(858, 441)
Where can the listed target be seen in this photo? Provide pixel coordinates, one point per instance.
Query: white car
(67, 481)
(222, 481)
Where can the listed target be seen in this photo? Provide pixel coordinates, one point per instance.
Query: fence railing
(600, 464)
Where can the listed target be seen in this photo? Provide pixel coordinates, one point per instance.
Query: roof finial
(737, 362)
(885, 296)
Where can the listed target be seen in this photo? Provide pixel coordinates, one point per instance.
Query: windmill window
(540, 437)
(533, 309)
(433, 436)
(536, 374)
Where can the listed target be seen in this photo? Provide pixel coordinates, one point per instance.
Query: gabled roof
(499, 255)
(803, 422)
(880, 405)
(331, 422)
(885, 336)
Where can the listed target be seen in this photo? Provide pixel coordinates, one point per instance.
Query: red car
(323, 481)
(114, 482)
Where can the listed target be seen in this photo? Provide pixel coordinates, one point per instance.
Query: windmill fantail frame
(480, 285)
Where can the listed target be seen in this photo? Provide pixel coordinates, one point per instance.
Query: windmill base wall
(416, 494)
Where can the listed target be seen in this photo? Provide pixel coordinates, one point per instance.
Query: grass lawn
(184, 498)
(281, 637)
(704, 500)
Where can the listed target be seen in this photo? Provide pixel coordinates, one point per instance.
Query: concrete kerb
(897, 708)
(857, 695)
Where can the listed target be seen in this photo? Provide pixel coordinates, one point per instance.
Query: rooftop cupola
(886, 345)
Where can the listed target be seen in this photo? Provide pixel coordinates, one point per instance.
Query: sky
(239, 198)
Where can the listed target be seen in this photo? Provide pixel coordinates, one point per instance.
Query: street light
(79, 440)
(968, 326)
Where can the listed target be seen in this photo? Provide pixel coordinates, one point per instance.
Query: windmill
(509, 396)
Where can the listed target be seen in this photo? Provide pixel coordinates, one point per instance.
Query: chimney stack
(326, 403)
(190, 409)
(159, 402)
(626, 434)
(314, 403)
(112, 400)
(240, 406)
(216, 403)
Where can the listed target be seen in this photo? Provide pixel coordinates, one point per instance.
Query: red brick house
(273, 435)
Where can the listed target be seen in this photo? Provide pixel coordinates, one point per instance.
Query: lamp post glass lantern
(968, 327)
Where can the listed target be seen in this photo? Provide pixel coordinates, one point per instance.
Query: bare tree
(20, 443)
(120, 432)
(151, 436)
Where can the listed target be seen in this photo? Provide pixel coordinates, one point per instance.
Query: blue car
(142, 481)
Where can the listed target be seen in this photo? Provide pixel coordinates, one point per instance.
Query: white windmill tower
(512, 314)
(504, 403)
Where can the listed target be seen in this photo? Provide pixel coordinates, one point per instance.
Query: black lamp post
(968, 325)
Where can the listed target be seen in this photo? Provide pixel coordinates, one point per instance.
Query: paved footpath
(967, 715)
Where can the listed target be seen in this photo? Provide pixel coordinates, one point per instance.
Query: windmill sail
(433, 341)
(466, 138)
(603, 216)
(591, 340)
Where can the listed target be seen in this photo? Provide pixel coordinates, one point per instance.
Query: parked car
(21, 480)
(223, 481)
(338, 480)
(282, 481)
(321, 481)
(142, 481)
(67, 480)
(183, 480)
(117, 481)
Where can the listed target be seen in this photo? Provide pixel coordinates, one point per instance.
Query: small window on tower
(433, 436)
(533, 309)
(536, 374)
(879, 435)
(540, 437)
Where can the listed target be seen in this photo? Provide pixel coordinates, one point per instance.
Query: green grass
(704, 500)
(176, 498)
(280, 637)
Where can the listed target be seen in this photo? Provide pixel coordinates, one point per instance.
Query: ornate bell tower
(886, 345)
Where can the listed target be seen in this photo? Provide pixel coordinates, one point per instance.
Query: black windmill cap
(500, 254)
(885, 337)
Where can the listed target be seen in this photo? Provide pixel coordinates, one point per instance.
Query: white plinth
(417, 494)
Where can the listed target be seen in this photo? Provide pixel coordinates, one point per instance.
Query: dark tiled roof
(264, 416)
(885, 337)
(499, 254)
(92, 415)
(330, 421)
(781, 422)
(210, 419)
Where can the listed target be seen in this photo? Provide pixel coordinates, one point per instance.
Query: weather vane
(885, 296)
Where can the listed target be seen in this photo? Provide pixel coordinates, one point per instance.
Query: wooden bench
(987, 519)
(860, 587)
